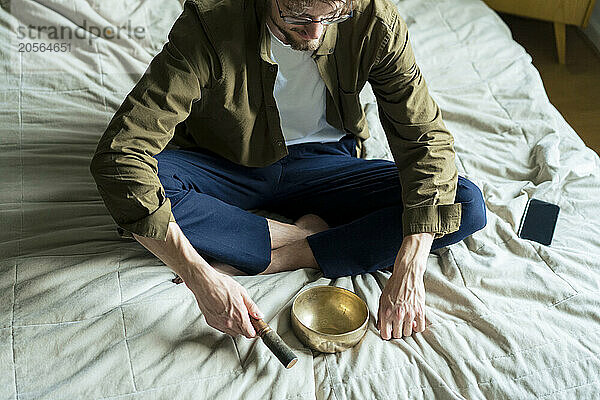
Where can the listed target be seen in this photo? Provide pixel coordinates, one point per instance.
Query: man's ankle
(293, 256)
(283, 234)
(311, 224)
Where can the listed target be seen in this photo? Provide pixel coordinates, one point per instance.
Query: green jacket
(212, 86)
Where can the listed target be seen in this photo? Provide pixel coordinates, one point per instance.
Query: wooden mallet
(277, 346)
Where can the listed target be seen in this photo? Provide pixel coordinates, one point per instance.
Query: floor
(573, 88)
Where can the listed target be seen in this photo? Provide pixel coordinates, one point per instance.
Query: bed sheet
(84, 314)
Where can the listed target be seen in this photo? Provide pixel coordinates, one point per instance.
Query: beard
(297, 43)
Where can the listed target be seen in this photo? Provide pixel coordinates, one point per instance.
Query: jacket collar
(265, 43)
(264, 37)
(329, 41)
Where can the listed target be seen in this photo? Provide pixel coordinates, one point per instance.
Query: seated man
(258, 102)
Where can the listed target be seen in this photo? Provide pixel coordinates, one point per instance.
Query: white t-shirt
(300, 96)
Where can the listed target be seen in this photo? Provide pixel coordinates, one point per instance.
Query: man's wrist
(418, 243)
(198, 272)
(420, 236)
(178, 254)
(413, 253)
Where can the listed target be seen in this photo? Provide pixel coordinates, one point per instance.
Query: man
(258, 102)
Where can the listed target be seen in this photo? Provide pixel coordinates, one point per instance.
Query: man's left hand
(402, 301)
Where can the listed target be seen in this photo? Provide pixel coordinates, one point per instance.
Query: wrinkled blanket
(87, 315)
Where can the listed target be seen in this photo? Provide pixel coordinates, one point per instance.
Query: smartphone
(539, 221)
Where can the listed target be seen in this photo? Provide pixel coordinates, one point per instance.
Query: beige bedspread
(86, 315)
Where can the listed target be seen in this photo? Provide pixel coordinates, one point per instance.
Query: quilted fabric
(84, 314)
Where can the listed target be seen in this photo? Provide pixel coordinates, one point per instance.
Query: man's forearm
(224, 303)
(177, 253)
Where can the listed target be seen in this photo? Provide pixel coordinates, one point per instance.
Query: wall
(593, 29)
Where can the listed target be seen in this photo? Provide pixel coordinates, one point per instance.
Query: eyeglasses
(307, 21)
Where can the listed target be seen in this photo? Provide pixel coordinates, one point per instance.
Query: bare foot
(311, 223)
(219, 266)
(226, 268)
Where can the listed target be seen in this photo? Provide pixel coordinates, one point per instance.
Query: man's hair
(300, 6)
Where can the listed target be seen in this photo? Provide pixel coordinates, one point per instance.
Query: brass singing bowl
(329, 319)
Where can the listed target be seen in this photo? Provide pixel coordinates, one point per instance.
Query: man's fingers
(251, 311)
(385, 324)
(247, 328)
(379, 317)
(420, 322)
(252, 307)
(397, 329)
(408, 323)
(386, 332)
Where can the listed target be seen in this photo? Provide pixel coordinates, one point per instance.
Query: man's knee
(473, 206)
(168, 168)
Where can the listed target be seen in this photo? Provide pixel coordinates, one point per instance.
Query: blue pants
(360, 199)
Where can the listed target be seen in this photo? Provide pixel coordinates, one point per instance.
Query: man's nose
(314, 30)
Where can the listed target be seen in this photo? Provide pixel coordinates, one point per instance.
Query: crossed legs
(347, 211)
(289, 247)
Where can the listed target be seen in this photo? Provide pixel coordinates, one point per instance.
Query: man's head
(303, 22)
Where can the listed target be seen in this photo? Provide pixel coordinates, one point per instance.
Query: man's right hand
(225, 303)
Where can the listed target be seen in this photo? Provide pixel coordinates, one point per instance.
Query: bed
(85, 314)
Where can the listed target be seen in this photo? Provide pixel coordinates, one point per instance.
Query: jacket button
(273, 68)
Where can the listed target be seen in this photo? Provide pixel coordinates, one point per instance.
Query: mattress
(85, 314)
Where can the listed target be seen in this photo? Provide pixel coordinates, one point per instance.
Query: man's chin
(299, 44)
(306, 45)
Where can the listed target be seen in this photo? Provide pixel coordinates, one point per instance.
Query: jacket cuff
(153, 226)
(439, 220)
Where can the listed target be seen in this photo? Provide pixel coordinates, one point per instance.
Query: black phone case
(539, 221)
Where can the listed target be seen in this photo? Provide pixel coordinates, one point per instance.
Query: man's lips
(303, 35)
